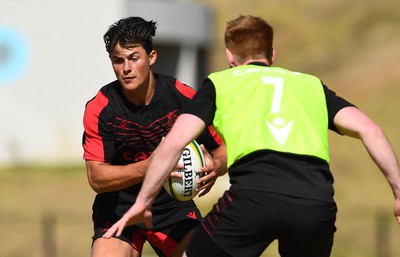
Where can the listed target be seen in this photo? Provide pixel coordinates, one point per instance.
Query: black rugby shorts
(244, 224)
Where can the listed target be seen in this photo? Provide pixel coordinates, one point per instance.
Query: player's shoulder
(111, 88)
(172, 84)
(165, 80)
(103, 96)
(295, 74)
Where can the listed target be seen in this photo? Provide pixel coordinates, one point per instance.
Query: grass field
(45, 211)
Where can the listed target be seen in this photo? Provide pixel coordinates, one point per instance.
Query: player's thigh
(112, 247)
(311, 232)
(178, 252)
(318, 247)
(172, 241)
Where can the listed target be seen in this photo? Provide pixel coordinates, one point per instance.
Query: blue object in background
(13, 55)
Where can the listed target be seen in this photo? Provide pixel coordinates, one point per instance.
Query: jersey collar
(258, 63)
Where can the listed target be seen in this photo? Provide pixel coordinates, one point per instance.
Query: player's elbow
(97, 187)
(370, 130)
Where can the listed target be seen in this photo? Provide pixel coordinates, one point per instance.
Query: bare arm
(219, 157)
(352, 122)
(186, 128)
(104, 177)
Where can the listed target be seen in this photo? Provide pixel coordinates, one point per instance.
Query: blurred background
(53, 60)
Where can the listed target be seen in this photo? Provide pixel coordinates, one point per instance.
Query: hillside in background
(353, 46)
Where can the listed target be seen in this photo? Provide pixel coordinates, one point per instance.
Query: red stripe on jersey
(216, 137)
(190, 92)
(93, 143)
(185, 89)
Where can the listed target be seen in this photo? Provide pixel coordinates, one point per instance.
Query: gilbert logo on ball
(184, 188)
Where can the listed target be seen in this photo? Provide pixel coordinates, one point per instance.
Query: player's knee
(112, 247)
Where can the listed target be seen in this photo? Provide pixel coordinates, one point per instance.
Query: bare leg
(113, 247)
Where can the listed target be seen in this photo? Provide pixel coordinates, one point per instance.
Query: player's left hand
(210, 172)
(136, 214)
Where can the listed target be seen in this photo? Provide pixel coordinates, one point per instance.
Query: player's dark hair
(129, 32)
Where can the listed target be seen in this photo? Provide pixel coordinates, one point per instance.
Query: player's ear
(230, 57)
(272, 57)
(152, 57)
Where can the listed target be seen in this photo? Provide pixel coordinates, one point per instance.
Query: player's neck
(142, 95)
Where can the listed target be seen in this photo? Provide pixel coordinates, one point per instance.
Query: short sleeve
(203, 103)
(334, 104)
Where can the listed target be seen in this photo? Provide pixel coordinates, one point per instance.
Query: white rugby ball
(184, 188)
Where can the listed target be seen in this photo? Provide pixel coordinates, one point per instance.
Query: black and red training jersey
(118, 132)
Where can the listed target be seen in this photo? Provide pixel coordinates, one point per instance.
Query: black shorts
(169, 229)
(244, 223)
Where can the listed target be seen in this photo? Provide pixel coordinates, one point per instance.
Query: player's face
(132, 66)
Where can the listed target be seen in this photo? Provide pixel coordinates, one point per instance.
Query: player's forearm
(384, 156)
(352, 122)
(166, 156)
(164, 160)
(104, 177)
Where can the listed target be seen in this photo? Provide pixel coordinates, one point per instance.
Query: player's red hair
(249, 37)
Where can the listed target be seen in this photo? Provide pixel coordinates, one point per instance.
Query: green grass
(352, 46)
(31, 197)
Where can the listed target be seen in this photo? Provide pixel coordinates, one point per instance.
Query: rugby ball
(184, 188)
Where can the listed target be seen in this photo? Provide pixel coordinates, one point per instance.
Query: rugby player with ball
(275, 125)
(124, 123)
